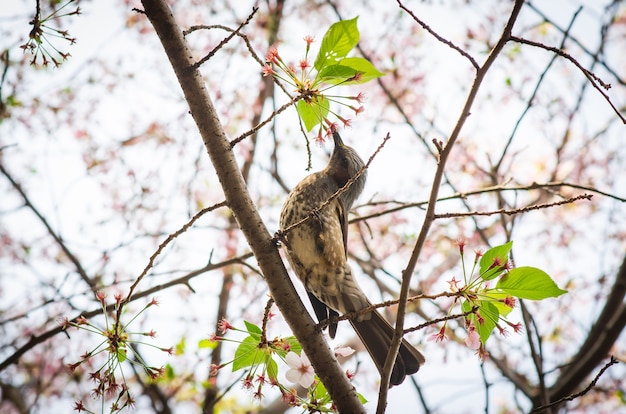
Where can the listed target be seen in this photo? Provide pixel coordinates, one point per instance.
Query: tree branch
(439, 37)
(612, 361)
(430, 212)
(183, 280)
(600, 339)
(595, 80)
(238, 199)
(57, 238)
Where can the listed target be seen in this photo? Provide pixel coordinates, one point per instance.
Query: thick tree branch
(238, 199)
(213, 394)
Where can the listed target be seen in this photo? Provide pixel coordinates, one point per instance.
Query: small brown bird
(317, 252)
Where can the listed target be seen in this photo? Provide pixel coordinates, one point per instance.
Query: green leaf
(498, 254)
(204, 344)
(314, 112)
(248, 353)
(496, 298)
(121, 354)
(252, 328)
(294, 346)
(486, 323)
(364, 67)
(320, 393)
(340, 39)
(180, 346)
(169, 372)
(335, 74)
(346, 69)
(272, 368)
(529, 283)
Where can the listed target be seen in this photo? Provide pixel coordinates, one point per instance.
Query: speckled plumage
(317, 252)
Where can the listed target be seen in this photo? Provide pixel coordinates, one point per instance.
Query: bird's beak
(337, 138)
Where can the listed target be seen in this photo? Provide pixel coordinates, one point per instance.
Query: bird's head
(344, 164)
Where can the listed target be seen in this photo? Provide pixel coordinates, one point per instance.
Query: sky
(149, 91)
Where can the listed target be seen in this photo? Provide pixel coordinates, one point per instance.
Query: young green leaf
(335, 74)
(247, 353)
(312, 113)
(121, 354)
(340, 39)
(179, 349)
(493, 259)
(529, 283)
(272, 368)
(170, 374)
(203, 344)
(486, 323)
(489, 318)
(252, 328)
(294, 345)
(319, 392)
(497, 299)
(349, 71)
(366, 70)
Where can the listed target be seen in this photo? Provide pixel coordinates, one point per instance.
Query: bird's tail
(376, 335)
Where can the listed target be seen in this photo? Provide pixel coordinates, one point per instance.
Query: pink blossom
(473, 339)
(344, 351)
(223, 325)
(101, 296)
(300, 369)
(440, 336)
(454, 287)
(267, 70)
(461, 242)
(272, 55)
(360, 97)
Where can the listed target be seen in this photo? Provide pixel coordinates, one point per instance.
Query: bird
(316, 249)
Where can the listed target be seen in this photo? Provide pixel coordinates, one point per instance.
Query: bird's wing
(343, 221)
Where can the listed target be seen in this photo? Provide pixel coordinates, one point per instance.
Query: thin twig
(266, 121)
(516, 210)
(434, 191)
(266, 317)
(442, 319)
(531, 99)
(226, 39)
(282, 232)
(439, 37)
(57, 237)
(612, 361)
(463, 195)
(184, 280)
(162, 246)
(578, 42)
(351, 315)
(593, 78)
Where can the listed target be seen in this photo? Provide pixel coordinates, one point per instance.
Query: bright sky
(68, 197)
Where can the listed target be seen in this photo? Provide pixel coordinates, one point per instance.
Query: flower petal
(307, 378)
(293, 360)
(293, 375)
